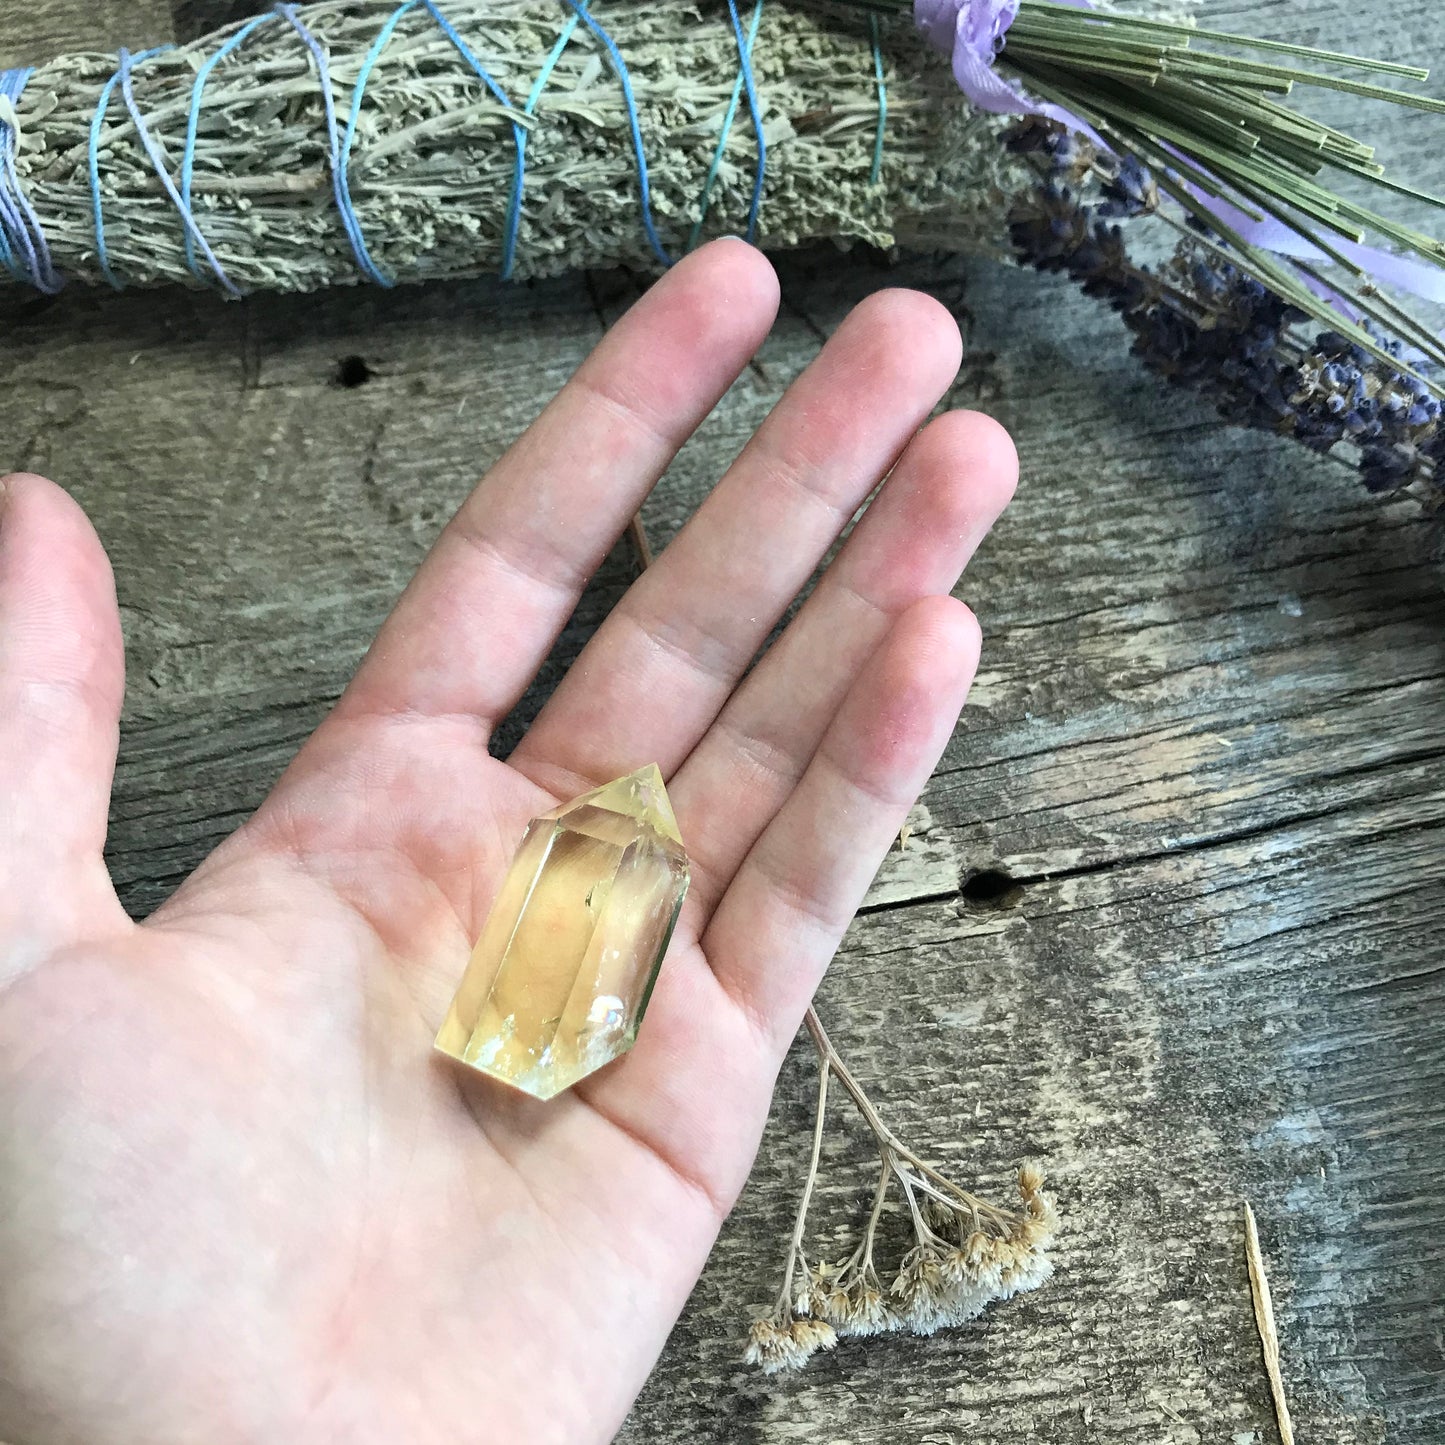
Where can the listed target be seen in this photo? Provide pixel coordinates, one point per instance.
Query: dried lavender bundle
(1203, 109)
(432, 163)
(1203, 322)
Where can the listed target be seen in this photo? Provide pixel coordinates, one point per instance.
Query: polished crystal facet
(560, 977)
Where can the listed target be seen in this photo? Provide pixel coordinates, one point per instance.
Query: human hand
(240, 1197)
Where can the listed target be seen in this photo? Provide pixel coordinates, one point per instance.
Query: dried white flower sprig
(965, 1254)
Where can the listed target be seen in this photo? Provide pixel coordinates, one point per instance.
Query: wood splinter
(1264, 1321)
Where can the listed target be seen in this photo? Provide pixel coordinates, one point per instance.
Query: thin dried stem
(937, 1184)
(637, 535)
(795, 1246)
(880, 1197)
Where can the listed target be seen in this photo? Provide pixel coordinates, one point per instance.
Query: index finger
(481, 614)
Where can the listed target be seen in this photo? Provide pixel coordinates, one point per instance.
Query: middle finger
(649, 684)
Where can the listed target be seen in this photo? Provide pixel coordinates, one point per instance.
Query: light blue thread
(7, 257)
(12, 221)
(619, 68)
(514, 211)
(877, 167)
(12, 86)
(349, 220)
(705, 199)
(188, 155)
(12, 218)
(97, 120)
(363, 253)
(158, 161)
(519, 134)
(93, 160)
(18, 218)
(745, 66)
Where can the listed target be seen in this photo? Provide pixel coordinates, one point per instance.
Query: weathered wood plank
(1101, 1023)
(1205, 743)
(39, 31)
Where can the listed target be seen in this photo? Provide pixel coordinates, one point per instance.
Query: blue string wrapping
(12, 86)
(102, 104)
(519, 135)
(619, 68)
(368, 64)
(23, 247)
(514, 210)
(350, 222)
(24, 252)
(876, 169)
(158, 161)
(193, 117)
(745, 69)
(343, 169)
(705, 199)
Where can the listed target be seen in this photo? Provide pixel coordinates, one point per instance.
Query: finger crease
(404, 715)
(794, 477)
(808, 906)
(625, 411)
(870, 792)
(684, 643)
(762, 1024)
(539, 573)
(832, 580)
(763, 1027)
(691, 1180)
(775, 759)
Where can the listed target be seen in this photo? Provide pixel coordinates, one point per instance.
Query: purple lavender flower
(1129, 191)
(1203, 323)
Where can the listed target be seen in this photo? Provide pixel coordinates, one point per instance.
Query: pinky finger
(778, 925)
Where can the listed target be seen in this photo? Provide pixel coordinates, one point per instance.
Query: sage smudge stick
(431, 170)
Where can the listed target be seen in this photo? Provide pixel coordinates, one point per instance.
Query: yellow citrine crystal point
(562, 972)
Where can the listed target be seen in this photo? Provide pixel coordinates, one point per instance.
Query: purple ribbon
(1269, 233)
(972, 33)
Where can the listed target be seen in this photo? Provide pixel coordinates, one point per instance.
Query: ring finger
(947, 490)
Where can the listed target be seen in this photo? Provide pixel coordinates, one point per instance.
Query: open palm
(240, 1197)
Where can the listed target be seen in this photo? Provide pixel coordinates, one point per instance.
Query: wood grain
(1205, 745)
(37, 31)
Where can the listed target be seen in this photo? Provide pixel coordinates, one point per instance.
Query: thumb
(62, 677)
